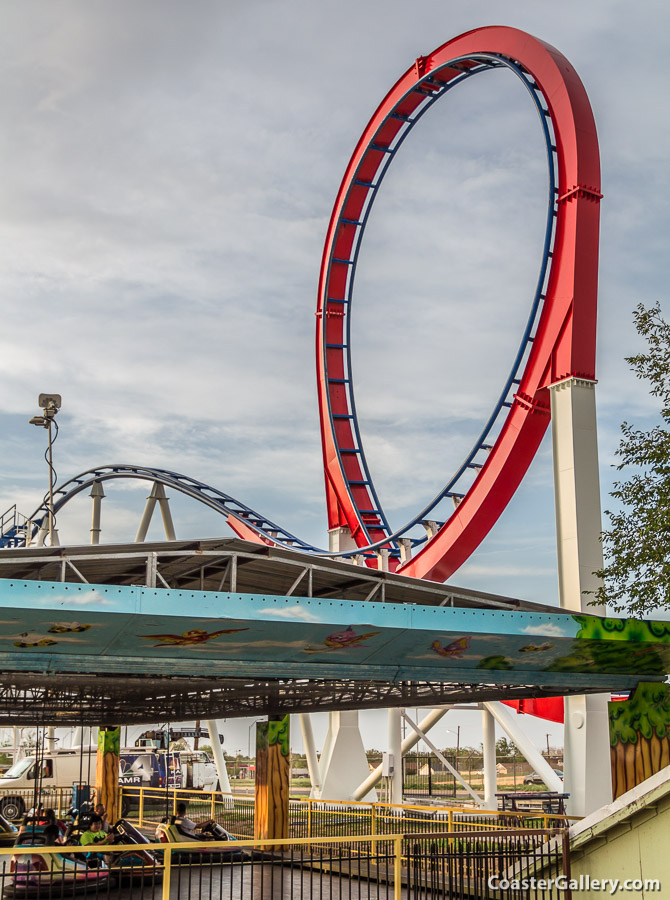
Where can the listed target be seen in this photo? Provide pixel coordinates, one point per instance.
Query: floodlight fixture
(50, 401)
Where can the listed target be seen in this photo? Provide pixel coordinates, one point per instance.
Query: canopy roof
(115, 652)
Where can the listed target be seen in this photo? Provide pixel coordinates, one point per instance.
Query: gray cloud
(169, 172)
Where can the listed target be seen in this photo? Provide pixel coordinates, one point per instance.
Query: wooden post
(272, 778)
(107, 770)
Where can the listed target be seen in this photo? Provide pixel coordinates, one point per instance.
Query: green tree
(636, 575)
(6, 759)
(507, 749)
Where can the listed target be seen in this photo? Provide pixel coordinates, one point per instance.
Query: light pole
(458, 738)
(50, 404)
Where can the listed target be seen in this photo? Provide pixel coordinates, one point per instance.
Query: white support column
(166, 515)
(587, 767)
(577, 491)
(343, 763)
(508, 721)
(151, 569)
(96, 494)
(147, 515)
(410, 741)
(431, 528)
(51, 739)
(43, 533)
(405, 545)
(588, 777)
(310, 754)
(382, 560)
(219, 759)
(157, 495)
(395, 749)
(490, 771)
(340, 540)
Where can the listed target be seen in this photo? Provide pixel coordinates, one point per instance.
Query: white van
(59, 770)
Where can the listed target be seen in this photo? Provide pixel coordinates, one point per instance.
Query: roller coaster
(558, 341)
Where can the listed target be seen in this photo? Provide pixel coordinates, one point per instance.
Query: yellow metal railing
(390, 815)
(324, 858)
(393, 854)
(18, 801)
(312, 819)
(147, 806)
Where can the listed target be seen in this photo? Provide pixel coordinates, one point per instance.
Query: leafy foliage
(646, 713)
(507, 749)
(636, 577)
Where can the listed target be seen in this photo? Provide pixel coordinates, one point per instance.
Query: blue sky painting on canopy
(145, 630)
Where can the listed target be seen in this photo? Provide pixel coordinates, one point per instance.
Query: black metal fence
(315, 819)
(148, 806)
(15, 803)
(322, 819)
(520, 865)
(427, 776)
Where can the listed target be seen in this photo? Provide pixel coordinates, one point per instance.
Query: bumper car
(222, 848)
(46, 873)
(8, 832)
(136, 864)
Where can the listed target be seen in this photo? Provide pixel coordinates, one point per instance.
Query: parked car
(534, 778)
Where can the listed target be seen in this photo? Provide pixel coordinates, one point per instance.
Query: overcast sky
(169, 170)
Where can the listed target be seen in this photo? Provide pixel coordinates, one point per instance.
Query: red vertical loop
(564, 342)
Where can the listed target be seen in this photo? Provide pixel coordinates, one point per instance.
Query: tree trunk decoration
(272, 778)
(639, 735)
(107, 770)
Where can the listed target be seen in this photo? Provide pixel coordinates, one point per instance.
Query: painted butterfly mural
(454, 650)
